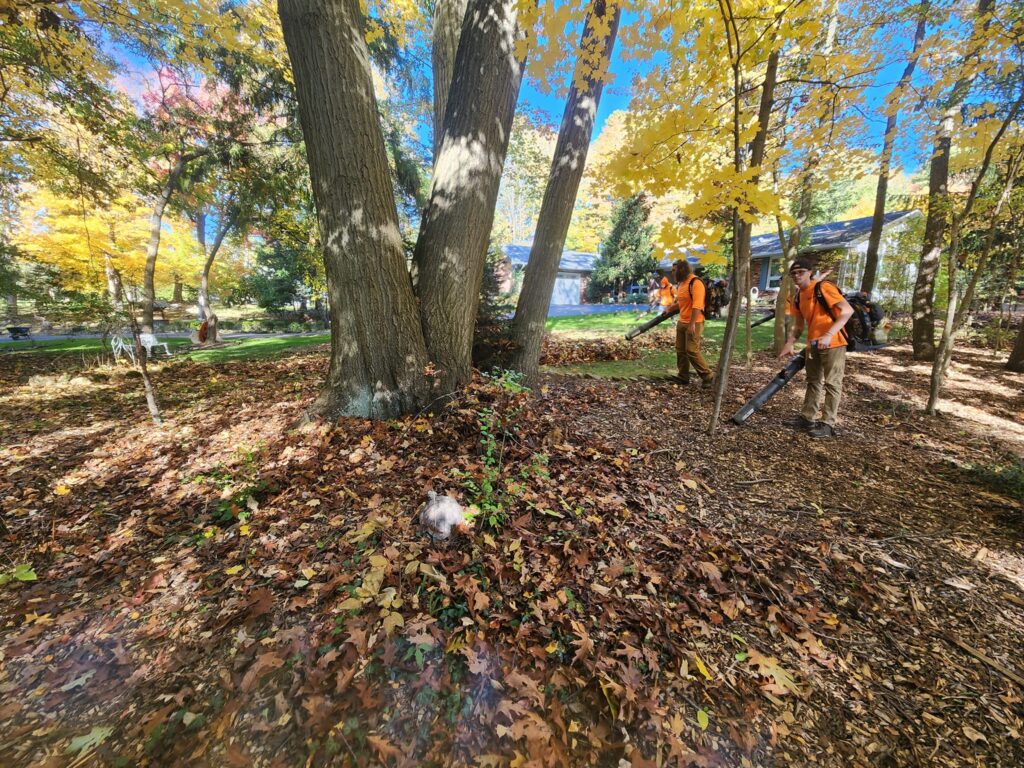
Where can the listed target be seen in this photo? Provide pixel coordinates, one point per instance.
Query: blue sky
(911, 150)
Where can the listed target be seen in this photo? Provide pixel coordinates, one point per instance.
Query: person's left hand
(692, 330)
(824, 342)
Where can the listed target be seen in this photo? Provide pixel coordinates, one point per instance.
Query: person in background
(690, 298)
(666, 294)
(821, 308)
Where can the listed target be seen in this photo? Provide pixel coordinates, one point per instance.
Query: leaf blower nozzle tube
(781, 379)
(650, 324)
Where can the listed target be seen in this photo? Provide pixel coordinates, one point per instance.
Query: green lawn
(242, 349)
(656, 363)
(248, 349)
(591, 326)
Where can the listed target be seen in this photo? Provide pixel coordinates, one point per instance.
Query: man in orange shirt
(821, 308)
(690, 298)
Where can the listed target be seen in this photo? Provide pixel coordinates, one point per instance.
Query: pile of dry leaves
(245, 587)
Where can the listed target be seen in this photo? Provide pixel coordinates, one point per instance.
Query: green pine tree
(627, 254)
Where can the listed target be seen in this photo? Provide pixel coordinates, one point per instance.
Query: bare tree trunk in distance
(867, 283)
(1016, 361)
(378, 356)
(937, 221)
(205, 312)
(955, 317)
(12, 305)
(178, 297)
(448, 18)
(563, 184)
(140, 352)
(741, 245)
(452, 244)
(156, 219)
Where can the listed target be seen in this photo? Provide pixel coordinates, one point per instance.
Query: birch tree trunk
(378, 355)
(452, 244)
(448, 18)
(563, 184)
(937, 221)
(867, 283)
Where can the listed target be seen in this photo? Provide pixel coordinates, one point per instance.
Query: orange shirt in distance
(667, 293)
(688, 304)
(816, 319)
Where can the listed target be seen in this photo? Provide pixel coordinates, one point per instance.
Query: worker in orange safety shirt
(690, 300)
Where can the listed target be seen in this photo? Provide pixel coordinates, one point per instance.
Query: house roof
(571, 261)
(825, 237)
(822, 237)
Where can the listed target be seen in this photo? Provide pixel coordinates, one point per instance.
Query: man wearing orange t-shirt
(690, 297)
(824, 319)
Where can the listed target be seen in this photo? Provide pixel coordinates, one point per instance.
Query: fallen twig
(986, 659)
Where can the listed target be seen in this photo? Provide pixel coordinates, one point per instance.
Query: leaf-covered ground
(243, 587)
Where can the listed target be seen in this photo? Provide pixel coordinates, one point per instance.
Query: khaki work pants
(824, 372)
(688, 352)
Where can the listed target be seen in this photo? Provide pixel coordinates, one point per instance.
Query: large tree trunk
(178, 296)
(452, 245)
(567, 166)
(937, 221)
(1016, 361)
(867, 283)
(378, 355)
(448, 18)
(742, 230)
(923, 302)
(12, 305)
(156, 220)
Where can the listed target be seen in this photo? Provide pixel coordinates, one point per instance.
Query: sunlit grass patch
(662, 362)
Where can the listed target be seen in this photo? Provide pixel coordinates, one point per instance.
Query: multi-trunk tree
(382, 338)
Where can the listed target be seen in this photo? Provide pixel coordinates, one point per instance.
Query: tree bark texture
(448, 18)
(452, 244)
(1016, 361)
(937, 221)
(156, 220)
(867, 283)
(742, 232)
(12, 305)
(563, 184)
(377, 350)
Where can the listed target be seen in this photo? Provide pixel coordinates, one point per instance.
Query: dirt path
(240, 588)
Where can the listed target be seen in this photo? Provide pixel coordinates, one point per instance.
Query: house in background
(842, 243)
(574, 271)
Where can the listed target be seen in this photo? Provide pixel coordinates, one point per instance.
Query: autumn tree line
(373, 138)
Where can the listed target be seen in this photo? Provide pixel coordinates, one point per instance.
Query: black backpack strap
(828, 310)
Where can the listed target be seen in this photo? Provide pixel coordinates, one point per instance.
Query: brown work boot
(682, 380)
(707, 382)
